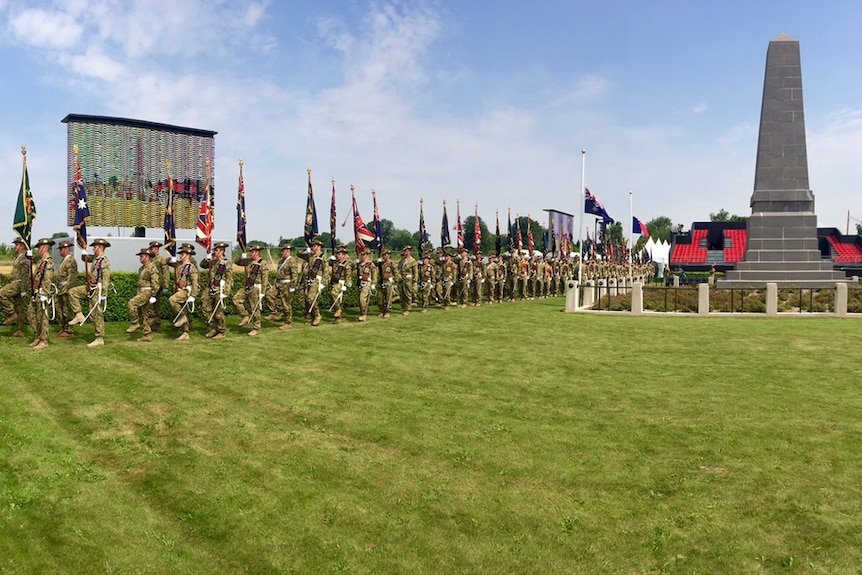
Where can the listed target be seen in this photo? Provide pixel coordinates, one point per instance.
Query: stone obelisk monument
(782, 230)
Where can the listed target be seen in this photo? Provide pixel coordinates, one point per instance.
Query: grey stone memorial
(782, 230)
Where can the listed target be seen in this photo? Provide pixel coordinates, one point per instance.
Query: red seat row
(845, 253)
(738, 242)
(690, 253)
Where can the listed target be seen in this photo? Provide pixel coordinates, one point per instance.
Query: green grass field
(504, 439)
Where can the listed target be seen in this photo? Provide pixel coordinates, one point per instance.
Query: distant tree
(398, 240)
(859, 229)
(416, 246)
(615, 234)
(56, 235)
(725, 216)
(660, 228)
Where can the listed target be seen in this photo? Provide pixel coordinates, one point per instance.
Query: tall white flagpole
(631, 233)
(581, 215)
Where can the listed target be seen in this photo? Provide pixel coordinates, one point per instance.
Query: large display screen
(124, 167)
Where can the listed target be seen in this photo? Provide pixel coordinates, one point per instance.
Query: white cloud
(700, 108)
(49, 29)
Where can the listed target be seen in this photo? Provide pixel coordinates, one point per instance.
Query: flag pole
(581, 216)
(631, 233)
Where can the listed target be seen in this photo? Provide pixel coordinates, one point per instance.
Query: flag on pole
(240, 212)
(459, 231)
(519, 239)
(361, 233)
(310, 213)
(445, 240)
(82, 210)
(170, 225)
(423, 233)
(638, 227)
(205, 220)
(25, 211)
(332, 217)
(531, 244)
(511, 233)
(477, 233)
(498, 245)
(593, 206)
(378, 226)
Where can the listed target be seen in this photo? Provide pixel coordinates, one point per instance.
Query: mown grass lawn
(504, 439)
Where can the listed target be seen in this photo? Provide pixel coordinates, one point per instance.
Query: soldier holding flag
(316, 276)
(256, 273)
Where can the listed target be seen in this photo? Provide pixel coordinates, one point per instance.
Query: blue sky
(486, 102)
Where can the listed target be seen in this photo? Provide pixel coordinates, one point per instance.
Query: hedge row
(124, 285)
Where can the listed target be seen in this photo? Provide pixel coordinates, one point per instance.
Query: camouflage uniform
(408, 270)
(316, 276)
(140, 306)
(465, 276)
(256, 274)
(40, 303)
(279, 298)
(447, 279)
(388, 273)
(163, 289)
(366, 279)
(212, 300)
(479, 273)
(491, 277)
(341, 278)
(426, 281)
(14, 296)
(186, 286)
(96, 291)
(67, 278)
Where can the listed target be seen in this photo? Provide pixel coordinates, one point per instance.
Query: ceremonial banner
(241, 220)
(25, 210)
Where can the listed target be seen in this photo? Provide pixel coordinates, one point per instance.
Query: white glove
(189, 289)
(152, 299)
(173, 259)
(191, 299)
(244, 256)
(29, 253)
(343, 287)
(23, 294)
(341, 282)
(320, 278)
(103, 298)
(85, 252)
(291, 290)
(164, 290)
(43, 298)
(221, 284)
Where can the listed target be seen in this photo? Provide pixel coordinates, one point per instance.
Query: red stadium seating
(845, 253)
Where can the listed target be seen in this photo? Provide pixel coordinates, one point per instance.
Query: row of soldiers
(439, 278)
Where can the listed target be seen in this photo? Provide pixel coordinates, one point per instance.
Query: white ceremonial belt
(258, 286)
(145, 288)
(64, 283)
(408, 275)
(284, 281)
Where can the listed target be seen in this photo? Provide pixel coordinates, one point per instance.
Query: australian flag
(82, 210)
(593, 206)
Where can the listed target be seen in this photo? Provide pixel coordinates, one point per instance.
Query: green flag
(25, 211)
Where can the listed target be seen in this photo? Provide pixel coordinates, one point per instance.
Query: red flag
(531, 244)
(477, 233)
(460, 231)
(361, 232)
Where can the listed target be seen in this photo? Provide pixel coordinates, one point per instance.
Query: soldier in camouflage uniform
(450, 275)
(341, 278)
(316, 276)
(366, 279)
(256, 274)
(218, 290)
(140, 305)
(465, 277)
(67, 278)
(186, 286)
(40, 303)
(426, 280)
(279, 298)
(164, 289)
(479, 273)
(388, 273)
(491, 277)
(408, 270)
(96, 291)
(14, 296)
